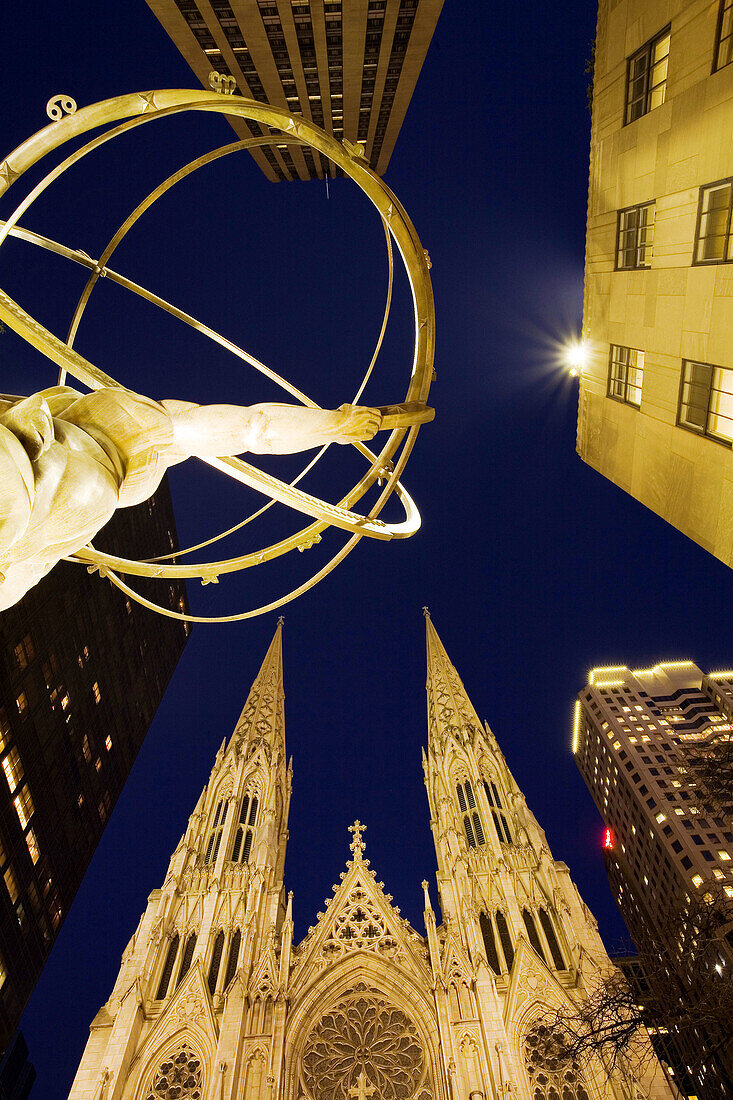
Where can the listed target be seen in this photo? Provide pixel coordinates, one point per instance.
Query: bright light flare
(575, 355)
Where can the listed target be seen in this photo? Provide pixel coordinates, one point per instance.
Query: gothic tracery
(364, 1035)
(550, 1078)
(178, 1077)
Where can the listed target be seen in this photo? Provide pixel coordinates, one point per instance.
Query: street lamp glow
(576, 357)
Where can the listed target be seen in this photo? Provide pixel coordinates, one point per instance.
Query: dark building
(17, 1075)
(646, 743)
(350, 66)
(82, 671)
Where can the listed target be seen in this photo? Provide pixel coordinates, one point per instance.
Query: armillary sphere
(124, 113)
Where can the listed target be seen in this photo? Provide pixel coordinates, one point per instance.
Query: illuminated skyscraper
(83, 670)
(350, 66)
(656, 395)
(644, 741)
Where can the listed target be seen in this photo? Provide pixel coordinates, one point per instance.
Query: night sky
(535, 568)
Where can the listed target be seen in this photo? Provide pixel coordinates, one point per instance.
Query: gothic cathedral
(214, 1000)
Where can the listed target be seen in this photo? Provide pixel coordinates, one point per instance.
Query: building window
(724, 36)
(506, 940)
(534, 939)
(634, 237)
(500, 821)
(706, 401)
(713, 239)
(24, 652)
(215, 962)
(487, 931)
(471, 821)
(233, 958)
(187, 958)
(13, 769)
(245, 829)
(551, 938)
(23, 806)
(165, 977)
(625, 374)
(646, 77)
(212, 845)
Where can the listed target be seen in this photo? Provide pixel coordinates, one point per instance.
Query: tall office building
(216, 998)
(350, 66)
(82, 671)
(643, 740)
(656, 395)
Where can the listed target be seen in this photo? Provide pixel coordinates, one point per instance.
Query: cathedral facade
(214, 1000)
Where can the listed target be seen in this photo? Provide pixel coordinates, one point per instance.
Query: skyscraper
(644, 742)
(350, 66)
(82, 672)
(216, 998)
(656, 395)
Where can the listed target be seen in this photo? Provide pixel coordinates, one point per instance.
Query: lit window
(24, 652)
(706, 401)
(32, 842)
(718, 873)
(96, 692)
(86, 749)
(625, 375)
(13, 770)
(98, 764)
(11, 883)
(660, 818)
(22, 704)
(697, 880)
(725, 856)
(634, 241)
(678, 809)
(23, 806)
(728, 891)
(633, 740)
(713, 239)
(108, 742)
(646, 77)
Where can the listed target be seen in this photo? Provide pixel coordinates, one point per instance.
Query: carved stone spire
(263, 715)
(450, 711)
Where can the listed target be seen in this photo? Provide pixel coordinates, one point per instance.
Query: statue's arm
(218, 430)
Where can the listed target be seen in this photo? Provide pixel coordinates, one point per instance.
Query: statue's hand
(31, 422)
(359, 422)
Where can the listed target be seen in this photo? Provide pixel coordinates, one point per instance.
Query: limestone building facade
(215, 1001)
(655, 411)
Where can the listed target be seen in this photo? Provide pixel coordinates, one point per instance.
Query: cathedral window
(497, 812)
(534, 939)
(550, 1078)
(245, 829)
(506, 940)
(215, 962)
(178, 1076)
(471, 821)
(551, 938)
(187, 957)
(233, 958)
(165, 977)
(487, 931)
(212, 845)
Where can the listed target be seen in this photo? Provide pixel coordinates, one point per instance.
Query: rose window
(552, 1077)
(365, 1047)
(178, 1077)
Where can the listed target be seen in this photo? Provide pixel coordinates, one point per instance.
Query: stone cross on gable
(357, 845)
(361, 1090)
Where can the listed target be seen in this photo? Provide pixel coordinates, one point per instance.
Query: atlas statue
(69, 459)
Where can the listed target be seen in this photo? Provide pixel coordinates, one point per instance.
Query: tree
(680, 987)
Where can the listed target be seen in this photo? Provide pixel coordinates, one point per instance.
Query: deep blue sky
(535, 568)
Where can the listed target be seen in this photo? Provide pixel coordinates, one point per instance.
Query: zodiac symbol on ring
(60, 105)
(222, 83)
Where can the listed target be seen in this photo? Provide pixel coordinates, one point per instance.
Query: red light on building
(608, 839)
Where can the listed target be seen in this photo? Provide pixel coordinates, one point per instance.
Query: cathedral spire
(450, 711)
(263, 715)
